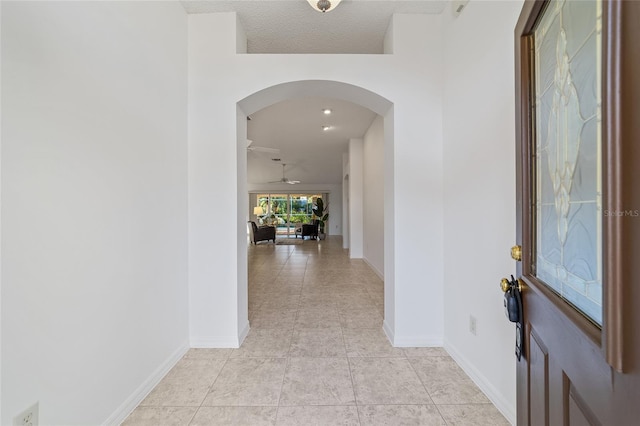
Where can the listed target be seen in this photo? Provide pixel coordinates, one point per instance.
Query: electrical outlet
(472, 325)
(28, 417)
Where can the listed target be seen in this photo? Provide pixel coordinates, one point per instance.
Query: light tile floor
(315, 355)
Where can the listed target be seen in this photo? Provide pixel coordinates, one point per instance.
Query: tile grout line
(353, 384)
(209, 388)
(427, 390)
(288, 358)
(440, 412)
(194, 415)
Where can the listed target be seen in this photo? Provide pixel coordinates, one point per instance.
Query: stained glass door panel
(568, 240)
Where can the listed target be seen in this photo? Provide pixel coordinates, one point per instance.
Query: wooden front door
(578, 207)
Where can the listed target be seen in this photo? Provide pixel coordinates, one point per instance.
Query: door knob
(504, 285)
(513, 308)
(516, 253)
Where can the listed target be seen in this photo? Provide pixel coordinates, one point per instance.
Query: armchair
(261, 233)
(308, 230)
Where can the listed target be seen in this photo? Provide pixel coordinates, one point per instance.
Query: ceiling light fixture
(325, 128)
(326, 111)
(324, 5)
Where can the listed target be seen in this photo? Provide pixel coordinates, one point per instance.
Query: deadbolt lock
(516, 253)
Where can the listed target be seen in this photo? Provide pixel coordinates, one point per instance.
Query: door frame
(616, 340)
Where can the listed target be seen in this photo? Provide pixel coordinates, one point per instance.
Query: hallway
(315, 355)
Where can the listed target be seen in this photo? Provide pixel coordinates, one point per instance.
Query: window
(285, 210)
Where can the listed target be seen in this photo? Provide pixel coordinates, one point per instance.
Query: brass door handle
(516, 253)
(505, 284)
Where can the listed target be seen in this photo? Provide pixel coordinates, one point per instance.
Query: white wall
(356, 198)
(242, 286)
(345, 200)
(479, 169)
(373, 212)
(1, 103)
(94, 205)
(417, 162)
(410, 79)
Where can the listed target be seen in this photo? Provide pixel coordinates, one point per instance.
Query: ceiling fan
(253, 148)
(285, 179)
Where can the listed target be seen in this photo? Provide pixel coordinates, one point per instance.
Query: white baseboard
(411, 341)
(374, 269)
(497, 398)
(388, 331)
(417, 341)
(210, 342)
(122, 412)
(244, 333)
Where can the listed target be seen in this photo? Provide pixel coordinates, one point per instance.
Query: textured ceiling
(292, 26)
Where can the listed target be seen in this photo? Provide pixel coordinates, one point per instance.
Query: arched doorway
(307, 88)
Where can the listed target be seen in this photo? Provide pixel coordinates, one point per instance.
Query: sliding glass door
(279, 211)
(300, 208)
(285, 211)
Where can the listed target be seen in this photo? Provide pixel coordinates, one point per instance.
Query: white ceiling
(292, 26)
(312, 155)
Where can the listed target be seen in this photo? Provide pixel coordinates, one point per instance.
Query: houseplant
(321, 213)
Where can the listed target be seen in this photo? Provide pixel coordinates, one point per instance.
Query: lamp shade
(324, 5)
(257, 211)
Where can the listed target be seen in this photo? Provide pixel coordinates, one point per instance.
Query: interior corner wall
(479, 160)
(241, 37)
(94, 205)
(373, 196)
(388, 324)
(242, 287)
(345, 200)
(334, 223)
(213, 166)
(417, 263)
(356, 198)
(0, 220)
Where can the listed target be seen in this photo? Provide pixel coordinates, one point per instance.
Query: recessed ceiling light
(325, 128)
(326, 111)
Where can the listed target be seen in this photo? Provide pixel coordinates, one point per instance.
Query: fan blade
(284, 178)
(263, 149)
